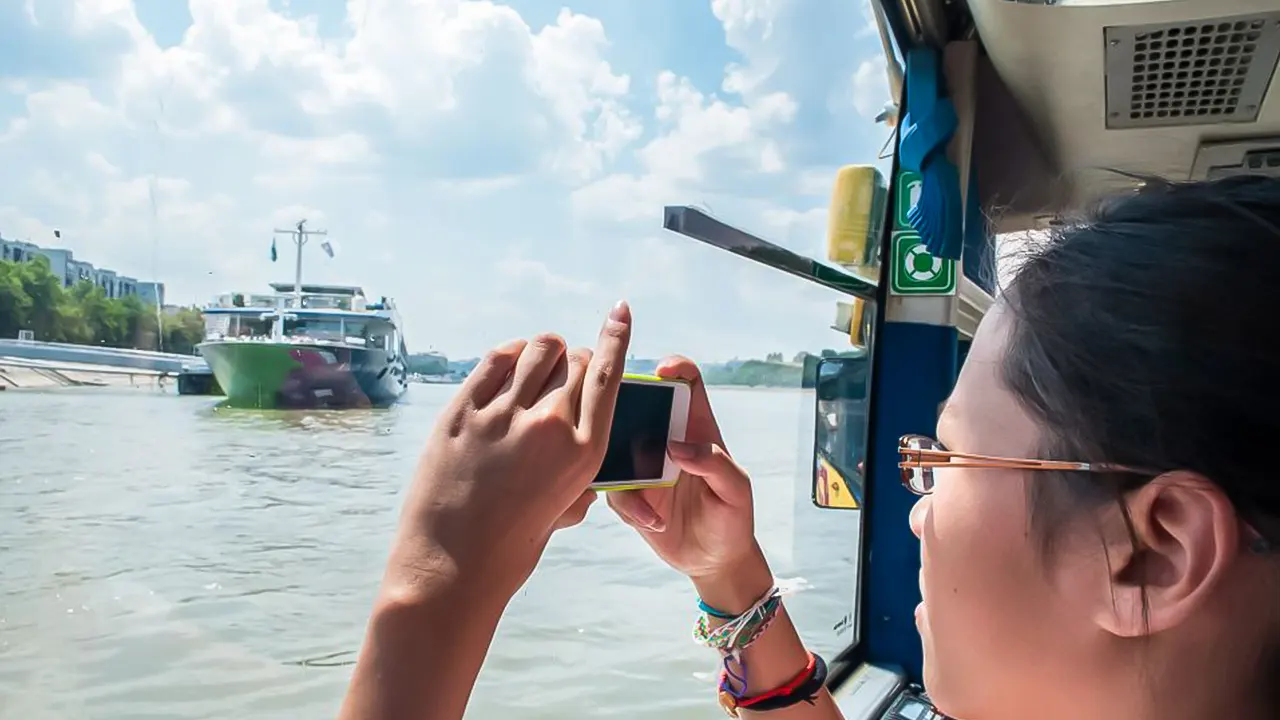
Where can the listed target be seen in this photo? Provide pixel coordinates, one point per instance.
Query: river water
(162, 558)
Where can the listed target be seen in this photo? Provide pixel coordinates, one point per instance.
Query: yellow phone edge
(636, 486)
(641, 377)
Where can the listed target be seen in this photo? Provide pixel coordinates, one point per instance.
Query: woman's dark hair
(1146, 336)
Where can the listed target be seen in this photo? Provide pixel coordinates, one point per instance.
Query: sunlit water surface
(163, 559)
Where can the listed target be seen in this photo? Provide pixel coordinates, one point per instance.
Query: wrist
(401, 606)
(421, 574)
(736, 586)
(415, 608)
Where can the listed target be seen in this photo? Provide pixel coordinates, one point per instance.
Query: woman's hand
(704, 526)
(509, 462)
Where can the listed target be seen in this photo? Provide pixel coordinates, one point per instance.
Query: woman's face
(1002, 626)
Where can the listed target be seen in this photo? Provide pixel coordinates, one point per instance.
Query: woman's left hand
(509, 462)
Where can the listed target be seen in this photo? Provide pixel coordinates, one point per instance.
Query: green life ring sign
(915, 272)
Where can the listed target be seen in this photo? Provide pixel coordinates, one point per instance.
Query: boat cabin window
(375, 333)
(378, 335)
(251, 326)
(218, 326)
(330, 302)
(314, 328)
(356, 331)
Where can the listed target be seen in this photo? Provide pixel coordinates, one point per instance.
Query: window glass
(487, 169)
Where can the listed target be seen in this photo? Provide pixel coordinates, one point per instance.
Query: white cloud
(705, 139)
(749, 29)
(516, 270)
(453, 148)
(67, 107)
(870, 87)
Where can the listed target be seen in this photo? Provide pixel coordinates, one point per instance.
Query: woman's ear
(1180, 536)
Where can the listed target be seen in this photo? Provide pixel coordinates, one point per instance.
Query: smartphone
(650, 412)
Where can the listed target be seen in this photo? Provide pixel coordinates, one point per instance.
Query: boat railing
(349, 341)
(288, 301)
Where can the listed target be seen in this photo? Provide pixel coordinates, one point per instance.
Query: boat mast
(299, 234)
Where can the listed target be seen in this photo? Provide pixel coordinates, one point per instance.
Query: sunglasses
(920, 456)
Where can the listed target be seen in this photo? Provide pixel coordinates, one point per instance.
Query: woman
(1142, 586)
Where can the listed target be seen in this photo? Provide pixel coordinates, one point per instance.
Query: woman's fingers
(556, 383)
(577, 361)
(493, 372)
(535, 367)
(562, 393)
(710, 462)
(635, 510)
(678, 367)
(577, 511)
(702, 426)
(604, 374)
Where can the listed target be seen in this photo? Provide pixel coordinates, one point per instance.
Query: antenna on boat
(299, 233)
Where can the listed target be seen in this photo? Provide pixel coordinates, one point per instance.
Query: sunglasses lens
(917, 479)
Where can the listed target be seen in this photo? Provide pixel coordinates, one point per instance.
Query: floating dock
(33, 364)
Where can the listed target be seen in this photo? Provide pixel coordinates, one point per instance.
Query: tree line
(33, 298)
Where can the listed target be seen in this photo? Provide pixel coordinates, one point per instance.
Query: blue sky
(498, 168)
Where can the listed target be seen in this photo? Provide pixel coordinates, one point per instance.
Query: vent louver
(1190, 73)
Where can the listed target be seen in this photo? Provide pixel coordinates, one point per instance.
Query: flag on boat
(273, 249)
(327, 248)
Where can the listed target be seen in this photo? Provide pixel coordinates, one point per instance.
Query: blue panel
(979, 255)
(915, 371)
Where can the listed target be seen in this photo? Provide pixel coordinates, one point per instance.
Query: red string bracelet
(790, 688)
(802, 688)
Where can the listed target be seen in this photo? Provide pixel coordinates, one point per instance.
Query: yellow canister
(856, 216)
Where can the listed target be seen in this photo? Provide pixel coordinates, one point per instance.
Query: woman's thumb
(713, 464)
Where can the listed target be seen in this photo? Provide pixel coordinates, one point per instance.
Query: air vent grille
(1190, 73)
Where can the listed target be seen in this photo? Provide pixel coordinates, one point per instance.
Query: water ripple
(167, 559)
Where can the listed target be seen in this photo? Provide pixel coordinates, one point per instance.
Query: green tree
(48, 303)
(15, 303)
(183, 330)
(32, 298)
(428, 364)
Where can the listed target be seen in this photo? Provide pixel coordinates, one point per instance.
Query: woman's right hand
(704, 526)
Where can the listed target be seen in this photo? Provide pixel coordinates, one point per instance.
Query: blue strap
(927, 127)
(714, 612)
(979, 259)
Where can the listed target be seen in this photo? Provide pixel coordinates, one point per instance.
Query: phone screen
(638, 438)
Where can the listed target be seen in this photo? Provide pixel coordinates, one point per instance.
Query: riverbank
(22, 374)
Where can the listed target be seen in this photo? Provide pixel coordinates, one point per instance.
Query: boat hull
(295, 376)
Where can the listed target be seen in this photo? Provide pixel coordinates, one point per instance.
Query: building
(63, 264)
(17, 251)
(151, 293)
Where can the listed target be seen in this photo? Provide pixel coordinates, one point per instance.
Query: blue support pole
(915, 371)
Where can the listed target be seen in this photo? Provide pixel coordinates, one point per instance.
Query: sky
(498, 168)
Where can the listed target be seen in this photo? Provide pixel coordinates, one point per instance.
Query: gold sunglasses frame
(911, 459)
(916, 458)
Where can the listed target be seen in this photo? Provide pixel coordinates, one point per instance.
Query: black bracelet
(805, 692)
